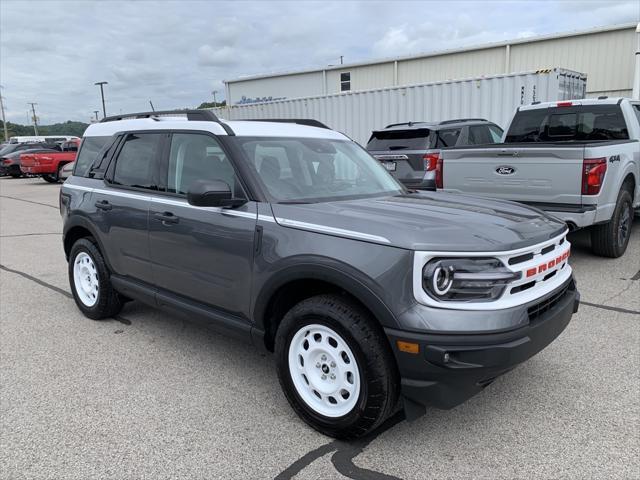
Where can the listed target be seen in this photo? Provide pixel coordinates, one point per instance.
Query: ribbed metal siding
(358, 113)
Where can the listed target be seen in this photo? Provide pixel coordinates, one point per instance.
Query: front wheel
(611, 239)
(335, 366)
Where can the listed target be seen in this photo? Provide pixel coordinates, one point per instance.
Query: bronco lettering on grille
(548, 265)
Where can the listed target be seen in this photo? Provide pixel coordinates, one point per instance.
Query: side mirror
(212, 193)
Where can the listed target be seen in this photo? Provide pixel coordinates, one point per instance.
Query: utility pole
(96, 112)
(35, 119)
(215, 104)
(104, 109)
(4, 121)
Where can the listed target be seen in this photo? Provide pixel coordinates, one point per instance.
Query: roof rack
(409, 124)
(459, 120)
(192, 116)
(309, 122)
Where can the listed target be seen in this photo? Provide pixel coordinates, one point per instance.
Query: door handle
(166, 217)
(103, 205)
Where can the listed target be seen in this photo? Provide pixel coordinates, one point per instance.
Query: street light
(96, 112)
(104, 110)
(215, 104)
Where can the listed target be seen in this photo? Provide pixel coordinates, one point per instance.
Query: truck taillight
(430, 161)
(439, 172)
(593, 170)
(564, 104)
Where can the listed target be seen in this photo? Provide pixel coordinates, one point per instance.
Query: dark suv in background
(409, 151)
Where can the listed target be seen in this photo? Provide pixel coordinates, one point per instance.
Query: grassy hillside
(66, 128)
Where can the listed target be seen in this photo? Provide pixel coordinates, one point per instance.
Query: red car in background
(48, 165)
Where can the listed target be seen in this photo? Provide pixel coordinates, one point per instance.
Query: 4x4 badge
(505, 170)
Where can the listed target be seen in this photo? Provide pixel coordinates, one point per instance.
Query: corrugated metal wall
(358, 113)
(606, 57)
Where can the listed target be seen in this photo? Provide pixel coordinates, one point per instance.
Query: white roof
(240, 128)
(584, 101)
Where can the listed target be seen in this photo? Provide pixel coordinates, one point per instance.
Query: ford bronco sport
(294, 238)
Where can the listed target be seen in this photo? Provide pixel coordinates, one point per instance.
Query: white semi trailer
(357, 113)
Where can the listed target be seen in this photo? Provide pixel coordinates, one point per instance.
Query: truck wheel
(50, 177)
(335, 366)
(611, 239)
(90, 282)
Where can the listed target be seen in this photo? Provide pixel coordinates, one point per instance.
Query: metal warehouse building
(606, 55)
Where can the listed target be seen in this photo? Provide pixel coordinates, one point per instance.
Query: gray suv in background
(410, 151)
(294, 238)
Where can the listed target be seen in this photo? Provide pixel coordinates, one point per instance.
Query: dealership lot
(148, 395)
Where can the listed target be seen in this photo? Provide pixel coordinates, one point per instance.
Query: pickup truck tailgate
(544, 174)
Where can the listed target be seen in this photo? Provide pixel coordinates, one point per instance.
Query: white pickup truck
(579, 160)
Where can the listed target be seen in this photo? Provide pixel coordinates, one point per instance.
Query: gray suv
(294, 238)
(410, 151)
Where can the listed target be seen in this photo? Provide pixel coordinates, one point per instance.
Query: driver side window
(198, 157)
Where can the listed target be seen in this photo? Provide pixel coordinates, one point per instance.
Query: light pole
(215, 104)
(4, 121)
(96, 112)
(102, 84)
(35, 119)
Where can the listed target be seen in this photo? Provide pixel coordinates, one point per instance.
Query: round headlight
(442, 279)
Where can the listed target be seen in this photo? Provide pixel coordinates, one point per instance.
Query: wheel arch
(295, 283)
(81, 228)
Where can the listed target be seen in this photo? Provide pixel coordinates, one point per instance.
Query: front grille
(547, 304)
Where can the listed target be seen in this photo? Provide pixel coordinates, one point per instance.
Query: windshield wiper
(293, 202)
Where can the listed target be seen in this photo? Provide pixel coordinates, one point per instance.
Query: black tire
(379, 378)
(611, 239)
(109, 302)
(15, 175)
(51, 178)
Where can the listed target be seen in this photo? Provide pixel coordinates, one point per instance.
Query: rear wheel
(90, 282)
(611, 239)
(335, 366)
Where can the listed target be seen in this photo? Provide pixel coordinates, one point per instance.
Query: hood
(435, 221)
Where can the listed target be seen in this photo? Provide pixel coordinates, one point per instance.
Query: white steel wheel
(85, 279)
(324, 370)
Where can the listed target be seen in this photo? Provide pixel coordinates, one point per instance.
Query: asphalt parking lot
(148, 395)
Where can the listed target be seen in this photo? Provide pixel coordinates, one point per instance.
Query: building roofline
(485, 46)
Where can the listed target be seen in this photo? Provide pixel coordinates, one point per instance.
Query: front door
(202, 253)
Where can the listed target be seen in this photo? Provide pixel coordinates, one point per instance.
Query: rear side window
(636, 108)
(448, 137)
(417, 139)
(561, 124)
(138, 161)
(484, 134)
(89, 150)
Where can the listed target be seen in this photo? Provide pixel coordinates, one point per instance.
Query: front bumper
(451, 368)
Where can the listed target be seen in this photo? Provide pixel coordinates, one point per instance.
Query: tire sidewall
(623, 201)
(86, 246)
(292, 323)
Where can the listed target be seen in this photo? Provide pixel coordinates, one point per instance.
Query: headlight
(466, 279)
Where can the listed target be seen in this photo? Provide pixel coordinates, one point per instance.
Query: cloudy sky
(176, 53)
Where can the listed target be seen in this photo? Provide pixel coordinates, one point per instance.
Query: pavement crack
(59, 290)
(344, 453)
(29, 234)
(622, 291)
(30, 201)
(607, 307)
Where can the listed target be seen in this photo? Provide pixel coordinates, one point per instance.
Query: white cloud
(176, 52)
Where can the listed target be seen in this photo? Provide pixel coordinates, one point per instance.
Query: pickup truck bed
(579, 181)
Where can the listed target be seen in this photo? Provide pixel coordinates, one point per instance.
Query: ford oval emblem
(505, 170)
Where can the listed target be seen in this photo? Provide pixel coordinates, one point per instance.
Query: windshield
(414, 139)
(562, 124)
(306, 170)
